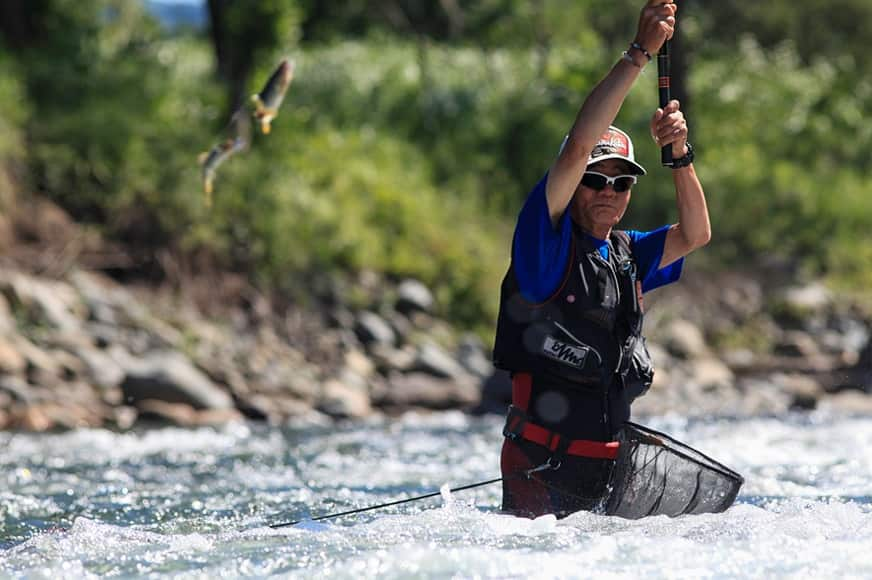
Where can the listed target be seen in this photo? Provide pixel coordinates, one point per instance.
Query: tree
(245, 34)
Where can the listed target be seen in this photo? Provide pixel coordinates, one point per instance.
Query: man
(569, 328)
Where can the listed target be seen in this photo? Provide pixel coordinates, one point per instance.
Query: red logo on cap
(617, 142)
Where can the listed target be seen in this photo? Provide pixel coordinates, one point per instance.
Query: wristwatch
(680, 162)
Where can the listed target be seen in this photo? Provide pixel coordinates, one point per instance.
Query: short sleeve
(540, 251)
(648, 249)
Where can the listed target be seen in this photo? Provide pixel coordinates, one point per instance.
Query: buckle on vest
(515, 422)
(558, 445)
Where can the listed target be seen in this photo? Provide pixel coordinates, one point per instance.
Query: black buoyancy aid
(582, 340)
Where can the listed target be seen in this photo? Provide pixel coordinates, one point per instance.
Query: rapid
(198, 503)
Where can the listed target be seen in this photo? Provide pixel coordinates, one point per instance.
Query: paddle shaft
(664, 80)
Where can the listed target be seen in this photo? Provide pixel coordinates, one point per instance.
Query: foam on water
(197, 503)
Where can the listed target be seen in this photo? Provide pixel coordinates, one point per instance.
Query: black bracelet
(641, 49)
(679, 162)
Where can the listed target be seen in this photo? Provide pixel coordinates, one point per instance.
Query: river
(197, 503)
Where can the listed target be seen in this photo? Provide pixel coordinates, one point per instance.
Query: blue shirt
(540, 251)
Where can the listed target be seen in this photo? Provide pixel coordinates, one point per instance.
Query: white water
(197, 504)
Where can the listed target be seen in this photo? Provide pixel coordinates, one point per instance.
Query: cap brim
(635, 167)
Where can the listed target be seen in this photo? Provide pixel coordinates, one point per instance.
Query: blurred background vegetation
(413, 130)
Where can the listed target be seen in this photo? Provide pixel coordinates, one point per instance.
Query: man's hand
(656, 24)
(668, 126)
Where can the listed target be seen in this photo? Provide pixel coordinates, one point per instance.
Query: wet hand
(669, 127)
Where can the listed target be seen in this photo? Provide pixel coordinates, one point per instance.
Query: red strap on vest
(579, 447)
(522, 386)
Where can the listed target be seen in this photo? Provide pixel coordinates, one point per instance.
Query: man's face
(595, 210)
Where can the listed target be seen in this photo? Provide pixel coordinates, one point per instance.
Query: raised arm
(656, 23)
(693, 230)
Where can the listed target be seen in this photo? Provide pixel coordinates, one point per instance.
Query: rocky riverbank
(83, 350)
(79, 349)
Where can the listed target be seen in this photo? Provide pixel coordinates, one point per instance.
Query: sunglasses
(598, 181)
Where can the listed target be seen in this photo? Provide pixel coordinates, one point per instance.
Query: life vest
(583, 346)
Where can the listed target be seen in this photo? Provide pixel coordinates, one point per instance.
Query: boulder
(372, 330)
(851, 402)
(17, 389)
(711, 374)
(684, 339)
(171, 378)
(413, 296)
(811, 298)
(100, 367)
(796, 343)
(345, 397)
(424, 390)
(471, 355)
(51, 304)
(432, 359)
(11, 361)
(7, 321)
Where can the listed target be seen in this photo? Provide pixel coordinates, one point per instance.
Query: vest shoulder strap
(622, 244)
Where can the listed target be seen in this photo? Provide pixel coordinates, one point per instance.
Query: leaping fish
(210, 160)
(269, 99)
(238, 133)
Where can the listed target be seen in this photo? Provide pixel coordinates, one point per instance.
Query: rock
(761, 395)
(52, 304)
(358, 363)
(123, 417)
(853, 402)
(424, 390)
(72, 416)
(796, 343)
(7, 321)
(42, 369)
(279, 377)
(387, 358)
(432, 359)
(171, 378)
(207, 417)
(863, 368)
(100, 294)
(11, 361)
(738, 358)
(711, 374)
(180, 414)
(846, 337)
(30, 418)
(101, 368)
(372, 330)
(339, 317)
(413, 296)
(811, 298)
(289, 407)
(804, 391)
(17, 389)
(402, 327)
(684, 339)
(343, 400)
(742, 297)
(471, 355)
(184, 415)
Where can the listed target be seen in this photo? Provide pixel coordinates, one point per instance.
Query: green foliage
(785, 155)
(14, 110)
(411, 157)
(319, 199)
